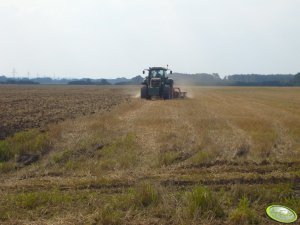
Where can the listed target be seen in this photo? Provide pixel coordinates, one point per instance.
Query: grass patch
(261, 194)
(121, 154)
(293, 203)
(243, 214)
(31, 141)
(108, 216)
(167, 158)
(39, 203)
(7, 166)
(202, 157)
(37, 199)
(5, 152)
(145, 194)
(201, 202)
(62, 157)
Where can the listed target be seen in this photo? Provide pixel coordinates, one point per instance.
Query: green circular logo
(281, 214)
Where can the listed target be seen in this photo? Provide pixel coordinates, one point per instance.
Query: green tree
(297, 79)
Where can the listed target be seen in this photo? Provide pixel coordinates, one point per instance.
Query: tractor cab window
(157, 73)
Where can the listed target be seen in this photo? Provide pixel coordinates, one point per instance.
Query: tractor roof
(157, 68)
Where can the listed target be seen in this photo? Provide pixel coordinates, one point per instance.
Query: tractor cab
(156, 76)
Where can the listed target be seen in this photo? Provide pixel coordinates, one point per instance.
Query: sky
(120, 38)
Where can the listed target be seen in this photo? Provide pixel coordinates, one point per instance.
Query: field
(220, 156)
(36, 106)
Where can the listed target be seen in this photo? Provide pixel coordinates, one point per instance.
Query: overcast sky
(113, 38)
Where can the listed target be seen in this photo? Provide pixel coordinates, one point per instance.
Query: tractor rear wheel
(167, 92)
(144, 91)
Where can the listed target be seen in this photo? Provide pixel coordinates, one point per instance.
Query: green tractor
(158, 85)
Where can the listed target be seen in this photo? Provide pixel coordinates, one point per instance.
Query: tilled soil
(25, 107)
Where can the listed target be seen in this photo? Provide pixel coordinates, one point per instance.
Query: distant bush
(19, 81)
(297, 79)
(89, 82)
(260, 80)
(24, 142)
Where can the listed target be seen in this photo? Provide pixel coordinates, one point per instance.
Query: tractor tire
(144, 92)
(166, 93)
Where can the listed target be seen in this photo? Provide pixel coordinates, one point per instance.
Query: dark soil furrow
(259, 180)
